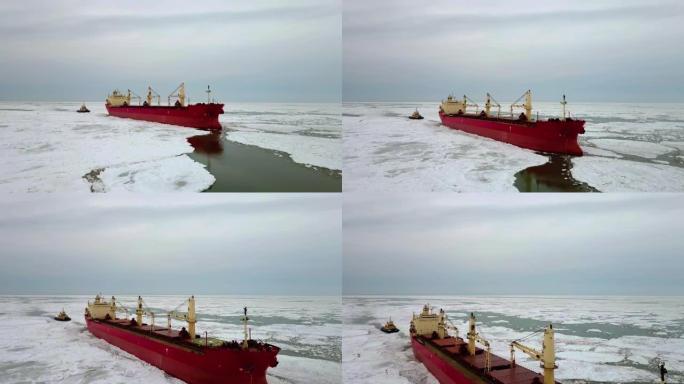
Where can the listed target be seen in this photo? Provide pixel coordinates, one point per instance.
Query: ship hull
(551, 136)
(203, 116)
(438, 366)
(192, 365)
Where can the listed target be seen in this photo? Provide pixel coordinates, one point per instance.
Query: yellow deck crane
(133, 96)
(547, 356)
(527, 104)
(178, 93)
(151, 94)
(488, 106)
(468, 102)
(473, 338)
(190, 316)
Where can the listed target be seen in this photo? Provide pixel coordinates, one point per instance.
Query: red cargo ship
(552, 135)
(201, 115)
(453, 360)
(188, 356)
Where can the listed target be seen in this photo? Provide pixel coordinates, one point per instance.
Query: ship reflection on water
(553, 176)
(210, 144)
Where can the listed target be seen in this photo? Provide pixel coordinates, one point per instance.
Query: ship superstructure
(453, 360)
(200, 115)
(554, 135)
(185, 354)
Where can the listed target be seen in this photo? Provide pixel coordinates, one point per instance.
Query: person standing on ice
(663, 372)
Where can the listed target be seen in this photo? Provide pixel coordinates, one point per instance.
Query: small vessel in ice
(83, 109)
(198, 115)
(416, 115)
(556, 135)
(453, 360)
(184, 354)
(62, 316)
(389, 327)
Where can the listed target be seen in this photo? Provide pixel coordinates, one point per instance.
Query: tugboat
(389, 327)
(554, 135)
(62, 316)
(416, 115)
(83, 109)
(453, 360)
(186, 354)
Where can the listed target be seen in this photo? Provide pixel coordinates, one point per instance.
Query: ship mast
(208, 91)
(245, 319)
(547, 356)
(474, 337)
(563, 104)
(139, 311)
(192, 317)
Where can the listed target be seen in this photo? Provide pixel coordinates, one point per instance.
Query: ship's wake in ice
(309, 133)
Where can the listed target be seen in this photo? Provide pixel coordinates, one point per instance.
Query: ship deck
(456, 352)
(173, 336)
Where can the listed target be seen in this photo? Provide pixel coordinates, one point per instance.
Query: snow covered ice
(48, 147)
(309, 133)
(38, 349)
(628, 147)
(598, 339)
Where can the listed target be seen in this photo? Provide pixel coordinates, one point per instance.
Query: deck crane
(132, 95)
(178, 93)
(488, 106)
(527, 104)
(151, 93)
(190, 316)
(547, 356)
(468, 102)
(473, 338)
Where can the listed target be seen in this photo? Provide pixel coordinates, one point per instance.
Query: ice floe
(48, 147)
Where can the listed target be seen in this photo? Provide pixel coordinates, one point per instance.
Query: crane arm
(533, 353)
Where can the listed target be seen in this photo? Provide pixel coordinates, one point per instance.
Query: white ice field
(598, 339)
(48, 147)
(628, 147)
(311, 134)
(37, 349)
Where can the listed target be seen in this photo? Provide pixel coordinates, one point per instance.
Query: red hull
(552, 136)
(439, 368)
(448, 360)
(203, 116)
(192, 364)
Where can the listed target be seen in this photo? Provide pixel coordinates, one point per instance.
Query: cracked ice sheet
(309, 133)
(611, 175)
(48, 147)
(384, 150)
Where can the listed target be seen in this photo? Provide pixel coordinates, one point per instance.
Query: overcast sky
(171, 244)
(428, 244)
(609, 50)
(247, 50)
